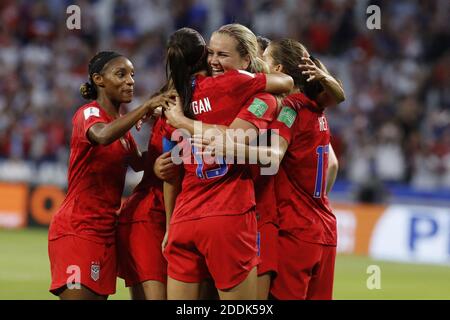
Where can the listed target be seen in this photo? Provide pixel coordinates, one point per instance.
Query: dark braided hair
(88, 89)
(186, 55)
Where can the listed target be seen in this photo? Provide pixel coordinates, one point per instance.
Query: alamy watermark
(374, 20)
(74, 278)
(374, 280)
(73, 21)
(212, 150)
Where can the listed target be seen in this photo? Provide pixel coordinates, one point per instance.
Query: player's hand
(209, 147)
(164, 168)
(160, 100)
(174, 112)
(310, 69)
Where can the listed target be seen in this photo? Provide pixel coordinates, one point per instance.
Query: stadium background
(391, 135)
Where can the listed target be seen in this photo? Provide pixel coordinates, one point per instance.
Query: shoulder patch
(91, 111)
(287, 116)
(247, 73)
(258, 107)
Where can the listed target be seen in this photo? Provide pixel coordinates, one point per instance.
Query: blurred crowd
(393, 127)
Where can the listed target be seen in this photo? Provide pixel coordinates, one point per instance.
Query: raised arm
(333, 89)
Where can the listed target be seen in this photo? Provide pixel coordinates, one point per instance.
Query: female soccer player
(82, 233)
(213, 227)
(307, 225)
(307, 235)
(142, 225)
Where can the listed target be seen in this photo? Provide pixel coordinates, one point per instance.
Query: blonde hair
(247, 45)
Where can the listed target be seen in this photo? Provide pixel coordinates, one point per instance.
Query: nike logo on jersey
(323, 125)
(201, 106)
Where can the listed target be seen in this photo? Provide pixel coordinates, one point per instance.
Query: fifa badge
(95, 271)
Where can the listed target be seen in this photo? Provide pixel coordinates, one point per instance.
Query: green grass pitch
(25, 274)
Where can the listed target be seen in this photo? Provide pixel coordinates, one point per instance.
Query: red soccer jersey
(266, 209)
(301, 182)
(96, 180)
(221, 189)
(150, 189)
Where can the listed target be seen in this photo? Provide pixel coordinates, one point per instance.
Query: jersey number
(321, 150)
(221, 170)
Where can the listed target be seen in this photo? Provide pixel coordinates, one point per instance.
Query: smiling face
(223, 54)
(117, 80)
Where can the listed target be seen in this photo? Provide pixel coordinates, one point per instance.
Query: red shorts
(268, 248)
(139, 253)
(305, 270)
(75, 260)
(221, 247)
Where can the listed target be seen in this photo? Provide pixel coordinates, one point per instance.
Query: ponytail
(180, 73)
(186, 55)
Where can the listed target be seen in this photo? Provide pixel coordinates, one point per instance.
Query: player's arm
(177, 119)
(266, 156)
(171, 186)
(333, 90)
(171, 189)
(277, 83)
(164, 168)
(106, 133)
(332, 171)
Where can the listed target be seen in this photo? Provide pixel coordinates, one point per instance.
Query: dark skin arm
(107, 133)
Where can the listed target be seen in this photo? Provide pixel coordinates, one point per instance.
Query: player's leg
(321, 283)
(186, 267)
(179, 290)
(229, 245)
(208, 291)
(268, 252)
(141, 263)
(263, 286)
(295, 267)
(246, 290)
(82, 293)
(82, 269)
(149, 290)
(137, 292)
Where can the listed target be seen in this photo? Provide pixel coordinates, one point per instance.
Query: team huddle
(192, 228)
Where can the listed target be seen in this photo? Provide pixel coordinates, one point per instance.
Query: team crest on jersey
(95, 271)
(91, 112)
(287, 116)
(258, 108)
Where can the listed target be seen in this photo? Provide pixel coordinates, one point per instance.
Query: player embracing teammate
(225, 222)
